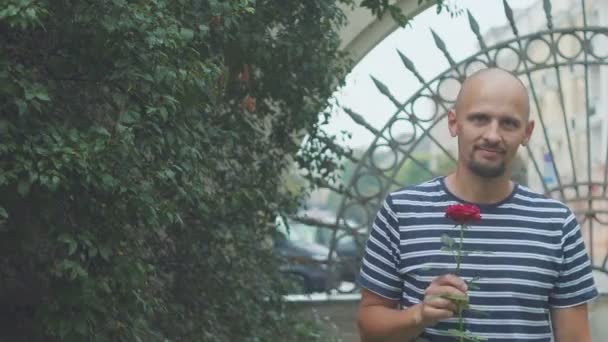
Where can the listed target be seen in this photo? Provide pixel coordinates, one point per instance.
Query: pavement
(598, 319)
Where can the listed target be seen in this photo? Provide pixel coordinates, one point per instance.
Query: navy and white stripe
(527, 250)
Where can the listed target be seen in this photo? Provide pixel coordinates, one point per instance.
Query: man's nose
(492, 133)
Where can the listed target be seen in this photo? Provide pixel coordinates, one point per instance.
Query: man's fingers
(437, 314)
(447, 291)
(438, 302)
(443, 297)
(451, 280)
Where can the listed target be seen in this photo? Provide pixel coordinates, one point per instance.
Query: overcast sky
(417, 44)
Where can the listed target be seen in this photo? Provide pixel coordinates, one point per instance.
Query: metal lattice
(557, 65)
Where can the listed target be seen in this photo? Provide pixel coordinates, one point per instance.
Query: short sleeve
(380, 264)
(575, 284)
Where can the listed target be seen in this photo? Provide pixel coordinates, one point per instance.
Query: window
(595, 88)
(597, 150)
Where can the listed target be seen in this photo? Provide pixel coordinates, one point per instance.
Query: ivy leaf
(186, 33)
(101, 131)
(42, 95)
(130, 117)
(92, 252)
(23, 187)
(104, 286)
(72, 246)
(105, 253)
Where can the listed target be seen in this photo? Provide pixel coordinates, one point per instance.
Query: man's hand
(380, 320)
(435, 306)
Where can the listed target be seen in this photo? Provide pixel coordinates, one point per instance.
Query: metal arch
(584, 186)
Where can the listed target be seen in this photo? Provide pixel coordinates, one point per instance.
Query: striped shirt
(527, 251)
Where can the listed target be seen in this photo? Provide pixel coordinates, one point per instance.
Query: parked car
(348, 249)
(306, 262)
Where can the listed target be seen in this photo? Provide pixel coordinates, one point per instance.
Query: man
(534, 273)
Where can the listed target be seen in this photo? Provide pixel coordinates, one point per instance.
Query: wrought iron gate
(567, 157)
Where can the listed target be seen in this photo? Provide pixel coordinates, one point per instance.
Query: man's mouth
(490, 152)
(491, 149)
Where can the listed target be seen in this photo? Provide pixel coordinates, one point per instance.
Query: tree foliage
(140, 143)
(380, 8)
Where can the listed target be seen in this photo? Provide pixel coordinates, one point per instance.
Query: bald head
(491, 120)
(493, 82)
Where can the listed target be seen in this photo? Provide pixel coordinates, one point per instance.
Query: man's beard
(486, 171)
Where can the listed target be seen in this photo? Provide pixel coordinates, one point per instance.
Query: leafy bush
(141, 143)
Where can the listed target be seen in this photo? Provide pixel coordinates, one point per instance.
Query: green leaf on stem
(447, 241)
(473, 286)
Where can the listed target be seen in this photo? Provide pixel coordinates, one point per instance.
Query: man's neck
(475, 189)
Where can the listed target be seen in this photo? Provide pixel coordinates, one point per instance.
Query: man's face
(490, 123)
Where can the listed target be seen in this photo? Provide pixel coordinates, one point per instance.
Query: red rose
(463, 213)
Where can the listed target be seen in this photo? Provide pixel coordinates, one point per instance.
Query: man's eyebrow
(478, 114)
(512, 117)
(507, 116)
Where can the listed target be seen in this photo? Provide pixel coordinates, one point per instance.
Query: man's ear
(528, 133)
(452, 124)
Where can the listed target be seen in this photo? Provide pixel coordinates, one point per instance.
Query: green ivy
(381, 7)
(141, 143)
